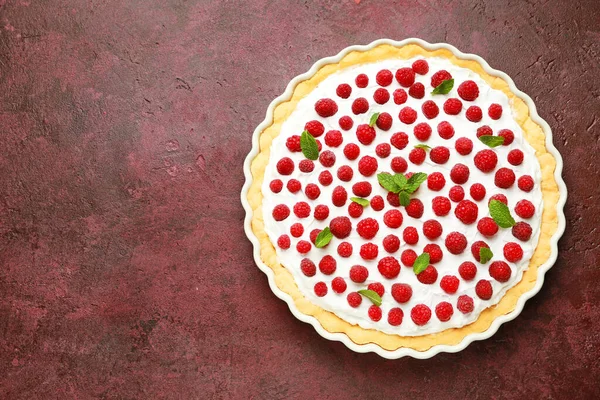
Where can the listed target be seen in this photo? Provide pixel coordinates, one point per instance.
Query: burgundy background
(124, 269)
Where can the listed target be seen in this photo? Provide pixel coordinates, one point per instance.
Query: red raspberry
(362, 80)
(459, 174)
(401, 292)
(515, 157)
(362, 189)
(405, 76)
(377, 288)
(381, 96)
(281, 212)
(399, 140)
(306, 166)
(326, 107)
(276, 185)
(513, 252)
(432, 229)
(410, 235)
(339, 285)
(388, 267)
(360, 106)
(504, 178)
(367, 228)
(428, 276)
(395, 316)
(345, 173)
(296, 230)
(367, 165)
(359, 274)
(456, 242)
(487, 227)
(420, 314)
(468, 90)
(344, 90)
(284, 242)
(415, 208)
(439, 77)
(393, 199)
(525, 209)
(393, 219)
(325, 178)
(346, 123)
(320, 289)
(456, 193)
(308, 267)
(339, 196)
(333, 138)
(408, 257)
(449, 284)
(400, 96)
(313, 235)
(465, 304)
(436, 181)
(495, 111)
(340, 227)
(377, 203)
(476, 248)
(466, 211)
(417, 156)
(417, 90)
(474, 114)
(420, 67)
(508, 136)
(302, 209)
(303, 247)
(525, 183)
(285, 166)
(463, 146)
(384, 77)
(522, 231)
(407, 115)
(391, 243)
(293, 143)
(354, 299)
(430, 109)
(344, 249)
(477, 191)
(486, 160)
(384, 121)
(484, 130)
(500, 197)
(369, 251)
(444, 311)
(439, 154)
(315, 128)
(452, 106)
(467, 270)
(484, 290)
(383, 150)
(321, 212)
(500, 271)
(294, 185)
(351, 151)
(355, 210)
(375, 313)
(399, 165)
(445, 130)
(327, 265)
(441, 206)
(327, 158)
(422, 131)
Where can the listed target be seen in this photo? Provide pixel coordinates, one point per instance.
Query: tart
(405, 196)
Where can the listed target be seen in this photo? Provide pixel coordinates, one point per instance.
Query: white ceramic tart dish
(404, 198)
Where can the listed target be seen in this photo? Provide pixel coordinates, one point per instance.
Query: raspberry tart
(405, 196)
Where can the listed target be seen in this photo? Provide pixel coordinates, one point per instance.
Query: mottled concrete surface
(124, 269)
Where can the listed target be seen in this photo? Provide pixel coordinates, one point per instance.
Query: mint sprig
(485, 255)
(309, 146)
(501, 214)
(373, 119)
(371, 295)
(421, 263)
(423, 146)
(360, 200)
(444, 88)
(492, 141)
(323, 238)
(399, 184)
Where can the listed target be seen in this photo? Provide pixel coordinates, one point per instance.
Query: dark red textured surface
(124, 269)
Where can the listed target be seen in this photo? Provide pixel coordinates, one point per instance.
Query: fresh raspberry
(399, 165)
(432, 229)
(327, 158)
(388, 267)
(333, 138)
(281, 212)
(320, 289)
(465, 304)
(369, 251)
(345, 173)
(367, 228)
(407, 115)
(284, 242)
(410, 235)
(354, 299)
(415, 208)
(401, 292)
(359, 274)
(444, 311)
(315, 128)
(456, 242)
(500, 271)
(384, 121)
(339, 196)
(393, 199)
(408, 257)
(384, 77)
(296, 230)
(525, 183)
(417, 90)
(313, 235)
(326, 107)
(420, 314)
(294, 185)
(405, 76)
(391, 243)
(436, 181)
(452, 106)
(303, 247)
(504, 178)
(417, 156)
(383, 150)
(522, 231)
(285, 166)
(399, 140)
(375, 313)
(362, 80)
(276, 185)
(430, 109)
(367, 165)
(439, 77)
(346, 123)
(487, 227)
(308, 267)
(395, 316)
(456, 193)
(467, 270)
(302, 209)
(483, 289)
(351, 151)
(420, 67)
(463, 146)
(355, 210)
(362, 189)
(344, 90)
(468, 90)
(327, 265)
(513, 252)
(377, 203)
(293, 143)
(344, 249)
(339, 285)
(484, 130)
(500, 197)
(445, 130)
(340, 227)
(360, 106)
(400, 96)
(393, 219)
(477, 191)
(449, 284)
(486, 160)
(474, 114)
(381, 96)
(466, 211)
(321, 212)
(525, 209)
(515, 157)
(377, 288)
(476, 248)
(439, 154)
(325, 178)
(440, 205)
(508, 136)
(306, 166)
(495, 111)
(422, 131)
(459, 174)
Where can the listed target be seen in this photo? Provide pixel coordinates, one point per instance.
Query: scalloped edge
(371, 347)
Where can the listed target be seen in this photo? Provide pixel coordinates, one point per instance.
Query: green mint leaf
(501, 214)
(323, 238)
(421, 263)
(404, 198)
(415, 181)
(360, 200)
(485, 255)
(491, 141)
(423, 146)
(373, 119)
(444, 88)
(371, 295)
(387, 181)
(309, 146)
(400, 180)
